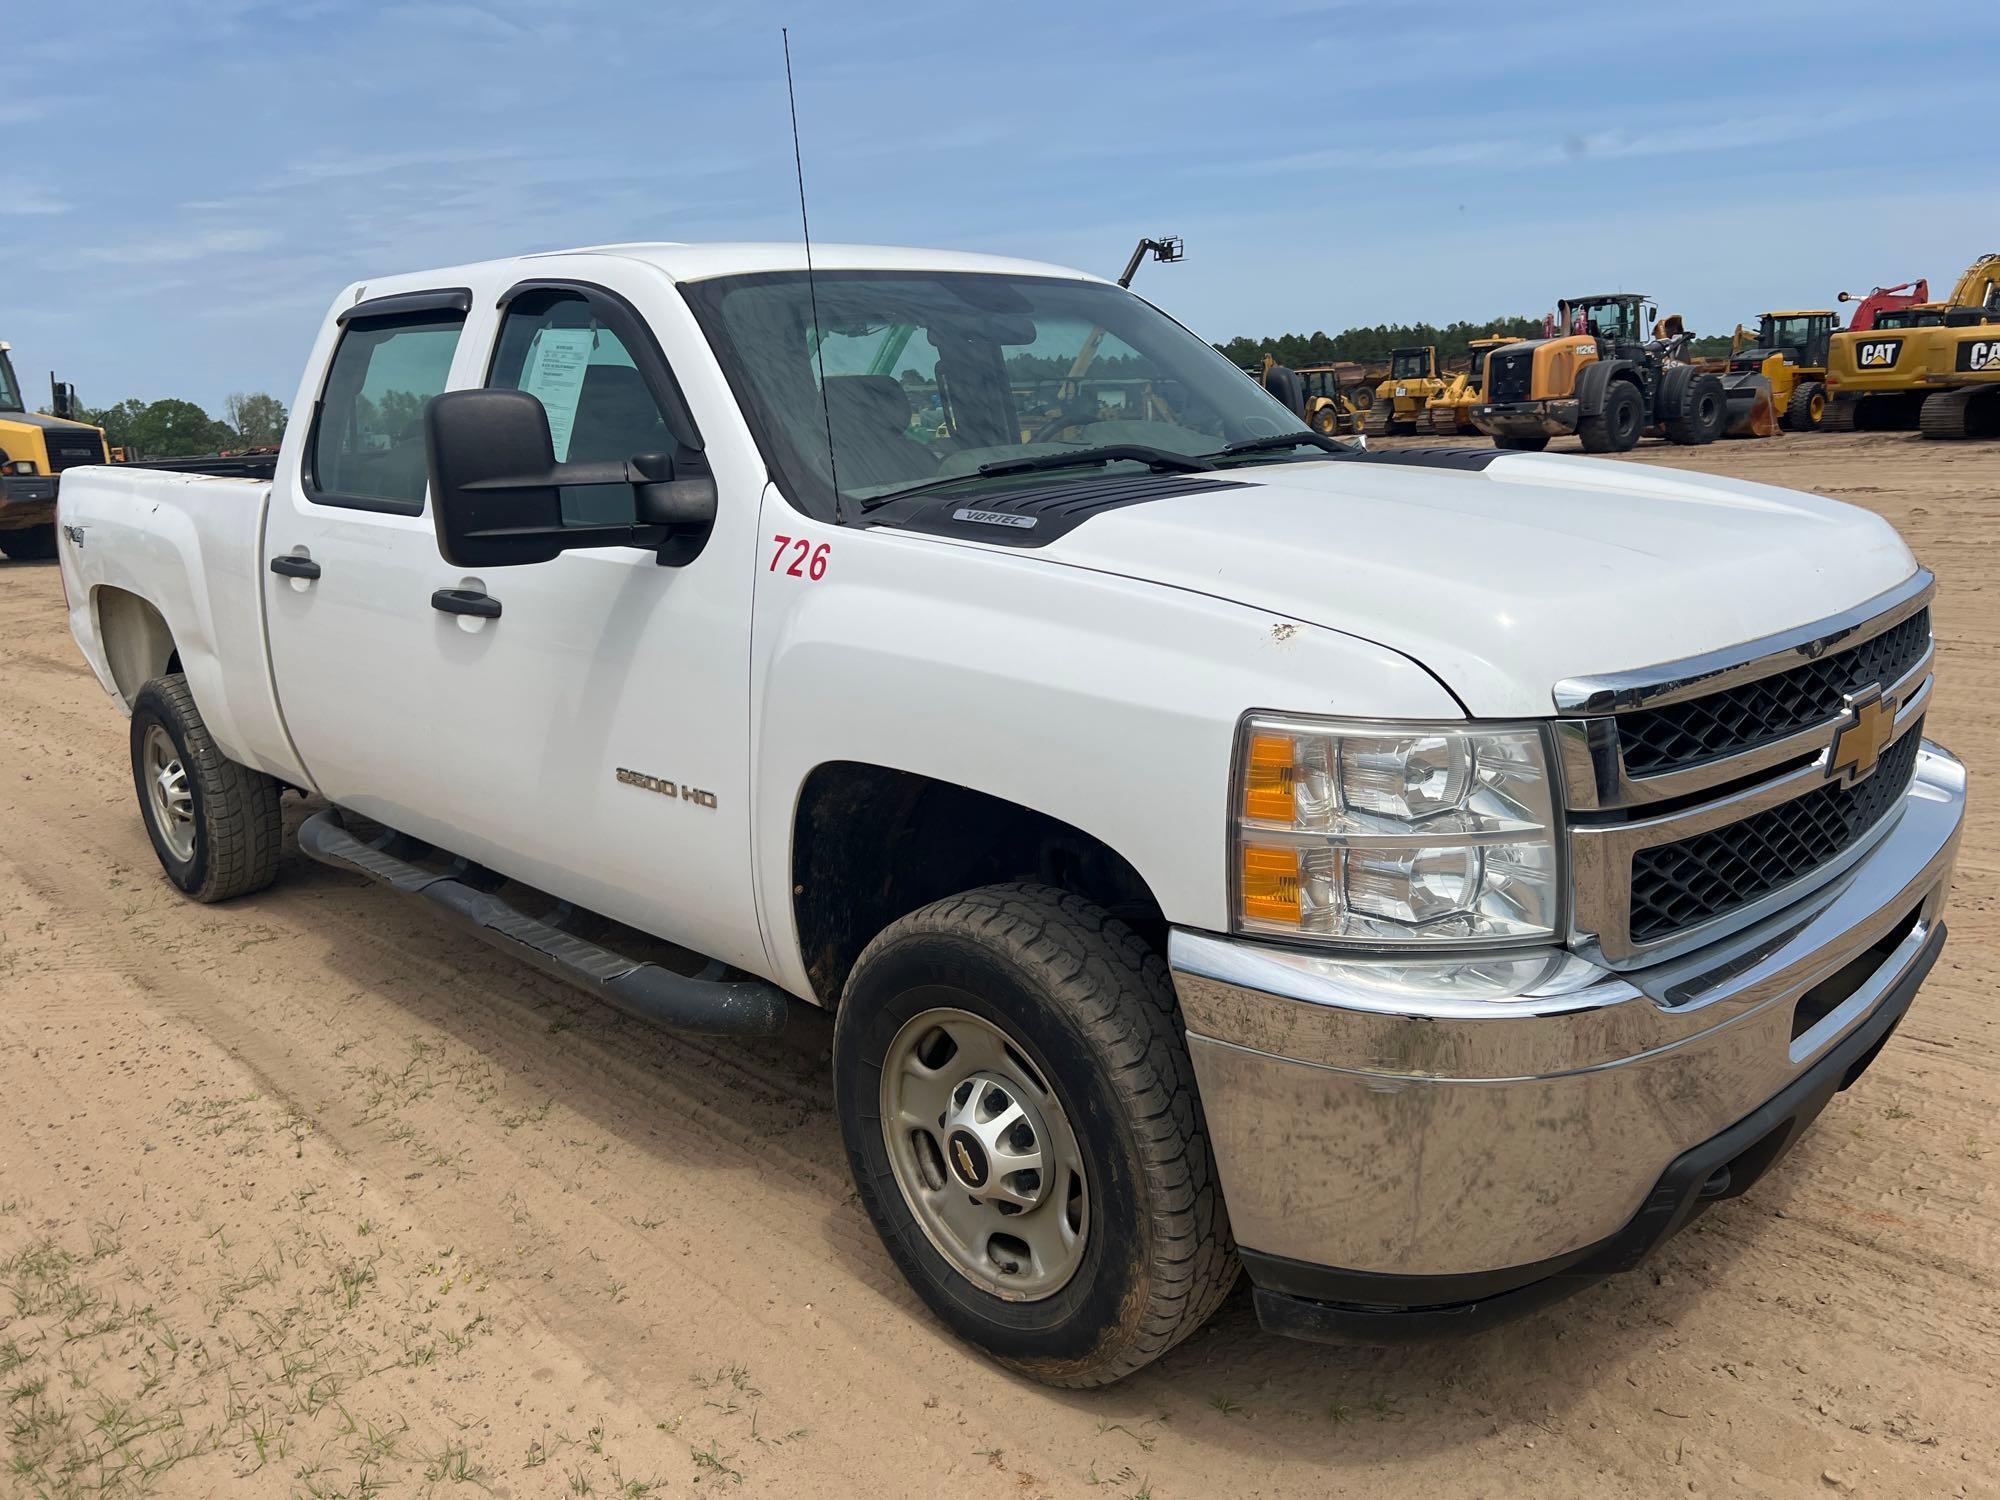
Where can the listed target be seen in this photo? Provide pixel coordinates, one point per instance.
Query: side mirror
(496, 488)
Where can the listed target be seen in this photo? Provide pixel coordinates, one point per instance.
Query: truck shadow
(754, 1120)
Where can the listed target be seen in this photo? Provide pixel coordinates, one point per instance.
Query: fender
(1134, 689)
(1595, 381)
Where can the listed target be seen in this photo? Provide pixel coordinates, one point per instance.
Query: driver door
(595, 734)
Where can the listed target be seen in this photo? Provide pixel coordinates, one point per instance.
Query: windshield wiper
(1281, 441)
(1159, 459)
(1109, 453)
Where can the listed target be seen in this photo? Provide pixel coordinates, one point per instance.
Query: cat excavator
(1934, 366)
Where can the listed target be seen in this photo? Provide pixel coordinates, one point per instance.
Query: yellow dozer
(1400, 400)
(1449, 412)
(1934, 366)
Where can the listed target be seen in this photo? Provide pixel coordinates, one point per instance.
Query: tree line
(1382, 340)
(172, 428)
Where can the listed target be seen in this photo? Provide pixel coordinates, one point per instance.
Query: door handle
(291, 565)
(466, 602)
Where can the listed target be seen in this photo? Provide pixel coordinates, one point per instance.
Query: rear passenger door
(351, 555)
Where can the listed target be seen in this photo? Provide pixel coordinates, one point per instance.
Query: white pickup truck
(1426, 879)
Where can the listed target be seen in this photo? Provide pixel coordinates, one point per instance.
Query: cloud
(31, 203)
(171, 250)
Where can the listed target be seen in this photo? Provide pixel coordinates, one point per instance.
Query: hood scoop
(1038, 514)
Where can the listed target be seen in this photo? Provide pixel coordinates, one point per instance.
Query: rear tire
(1073, 1016)
(1521, 444)
(1615, 427)
(1807, 409)
(30, 543)
(216, 826)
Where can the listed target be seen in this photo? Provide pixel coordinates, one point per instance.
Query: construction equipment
(34, 450)
(1787, 354)
(1614, 371)
(1933, 366)
(1337, 400)
(1885, 299)
(1449, 412)
(1400, 399)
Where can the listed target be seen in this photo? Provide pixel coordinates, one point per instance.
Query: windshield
(1616, 321)
(1908, 318)
(10, 393)
(1410, 364)
(1785, 333)
(929, 375)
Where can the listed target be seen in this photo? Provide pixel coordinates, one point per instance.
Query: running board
(700, 1004)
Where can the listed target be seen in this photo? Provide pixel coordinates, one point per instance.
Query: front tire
(1616, 425)
(1807, 408)
(1088, 1237)
(215, 825)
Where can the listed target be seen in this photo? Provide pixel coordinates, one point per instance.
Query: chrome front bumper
(1433, 1123)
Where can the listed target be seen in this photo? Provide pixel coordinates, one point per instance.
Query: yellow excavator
(34, 450)
(1933, 366)
(1449, 412)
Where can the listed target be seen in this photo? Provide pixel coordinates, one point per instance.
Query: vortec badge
(994, 518)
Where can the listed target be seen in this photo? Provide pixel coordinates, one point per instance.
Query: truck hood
(1506, 579)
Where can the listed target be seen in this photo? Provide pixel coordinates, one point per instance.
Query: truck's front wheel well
(138, 645)
(870, 845)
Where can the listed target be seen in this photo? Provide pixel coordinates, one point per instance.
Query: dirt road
(310, 1194)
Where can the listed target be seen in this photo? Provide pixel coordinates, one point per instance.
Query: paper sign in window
(553, 373)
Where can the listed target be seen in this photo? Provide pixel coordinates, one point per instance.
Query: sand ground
(311, 1194)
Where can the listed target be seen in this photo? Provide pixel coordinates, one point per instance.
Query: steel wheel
(984, 1155)
(171, 799)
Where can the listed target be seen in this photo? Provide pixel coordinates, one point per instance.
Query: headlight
(23, 466)
(1395, 833)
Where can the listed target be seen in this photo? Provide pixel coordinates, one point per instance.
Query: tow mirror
(496, 488)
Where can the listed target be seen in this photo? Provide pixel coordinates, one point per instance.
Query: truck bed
(183, 548)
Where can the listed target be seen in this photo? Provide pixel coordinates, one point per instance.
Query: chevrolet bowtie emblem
(1871, 721)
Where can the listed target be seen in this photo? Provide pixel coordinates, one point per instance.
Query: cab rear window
(367, 449)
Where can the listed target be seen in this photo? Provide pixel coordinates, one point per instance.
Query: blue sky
(185, 184)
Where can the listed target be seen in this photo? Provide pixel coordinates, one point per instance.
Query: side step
(702, 1005)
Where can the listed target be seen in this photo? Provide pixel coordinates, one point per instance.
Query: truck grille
(1744, 717)
(1512, 375)
(1701, 794)
(70, 447)
(1679, 885)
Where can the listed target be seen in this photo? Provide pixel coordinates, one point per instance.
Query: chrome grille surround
(1613, 812)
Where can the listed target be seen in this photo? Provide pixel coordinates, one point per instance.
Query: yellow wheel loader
(1449, 412)
(34, 450)
(1787, 354)
(1933, 366)
(1400, 400)
(1611, 374)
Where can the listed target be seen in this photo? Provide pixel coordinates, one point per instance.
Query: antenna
(812, 290)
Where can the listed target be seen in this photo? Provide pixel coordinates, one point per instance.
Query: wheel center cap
(968, 1160)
